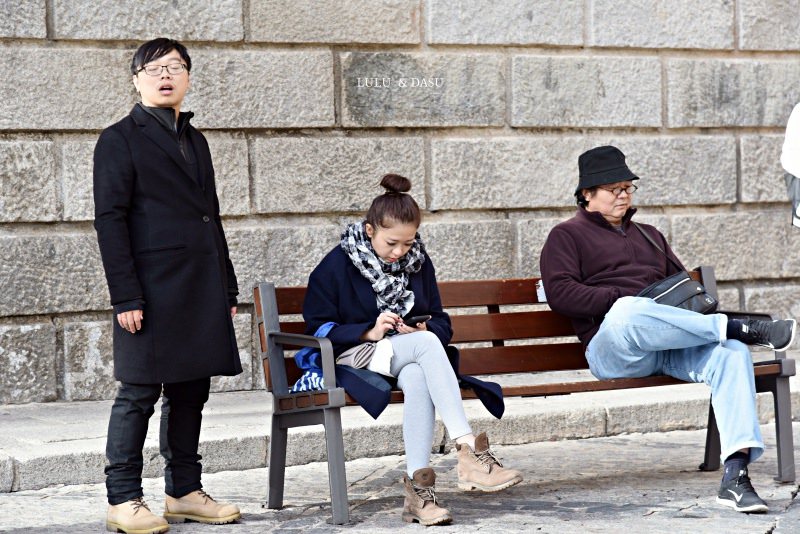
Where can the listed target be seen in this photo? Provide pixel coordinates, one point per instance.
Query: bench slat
(515, 325)
(488, 292)
(522, 359)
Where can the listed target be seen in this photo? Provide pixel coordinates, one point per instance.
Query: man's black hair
(155, 49)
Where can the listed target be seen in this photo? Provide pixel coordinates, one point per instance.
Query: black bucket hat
(602, 165)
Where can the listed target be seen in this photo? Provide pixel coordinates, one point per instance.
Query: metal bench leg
(783, 430)
(711, 459)
(336, 473)
(277, 463)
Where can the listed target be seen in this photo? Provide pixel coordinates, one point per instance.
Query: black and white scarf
(388, 280)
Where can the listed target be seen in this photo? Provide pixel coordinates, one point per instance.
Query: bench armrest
(322, 343)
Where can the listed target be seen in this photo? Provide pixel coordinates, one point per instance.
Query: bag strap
(661, 250)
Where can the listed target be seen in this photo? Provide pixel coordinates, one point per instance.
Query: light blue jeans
(428, 382)
(639, 337)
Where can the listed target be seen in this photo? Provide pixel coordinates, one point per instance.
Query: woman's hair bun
(394, 183)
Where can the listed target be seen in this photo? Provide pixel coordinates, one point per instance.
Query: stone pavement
(592, 461)
(637, 482)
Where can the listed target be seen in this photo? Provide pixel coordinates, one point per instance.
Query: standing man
(172, 286)
(595, 263)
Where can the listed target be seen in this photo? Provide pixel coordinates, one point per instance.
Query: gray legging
(428, 381)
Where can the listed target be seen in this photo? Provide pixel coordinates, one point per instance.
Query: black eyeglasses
(617, 191)
(156, 70)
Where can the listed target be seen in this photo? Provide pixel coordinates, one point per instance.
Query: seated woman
(379, 274)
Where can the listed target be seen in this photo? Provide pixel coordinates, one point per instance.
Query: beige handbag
(358, 356)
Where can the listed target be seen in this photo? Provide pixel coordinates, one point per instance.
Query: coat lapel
(151, 129)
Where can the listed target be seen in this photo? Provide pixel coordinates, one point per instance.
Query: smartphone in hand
(414, 321)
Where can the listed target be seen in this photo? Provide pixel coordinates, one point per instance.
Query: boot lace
(138, 503)
(426, 494)
(487, 457)
(206, 496)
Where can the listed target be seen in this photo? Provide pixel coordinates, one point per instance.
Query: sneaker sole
(471, 486)
(443, 520)
(756, 508)
(115, 527)
(180, 518)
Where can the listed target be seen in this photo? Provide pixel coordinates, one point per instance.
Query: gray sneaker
(776, 335)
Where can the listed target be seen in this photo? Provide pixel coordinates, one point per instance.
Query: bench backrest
(499, 325)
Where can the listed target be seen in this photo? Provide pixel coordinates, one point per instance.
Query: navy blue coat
(337, 292)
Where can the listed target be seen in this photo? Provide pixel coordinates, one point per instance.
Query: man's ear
(136, 83)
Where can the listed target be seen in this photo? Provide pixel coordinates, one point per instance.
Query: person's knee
(411, 378)
(626, 307)
(143, 396)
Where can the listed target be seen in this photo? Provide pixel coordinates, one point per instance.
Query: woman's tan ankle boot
(480, 469)
(420, 504)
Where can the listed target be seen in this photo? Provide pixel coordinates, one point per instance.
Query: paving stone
(273, 89)
(230, 157)
(728, 298)
(663, 24)
(507, 23)
(470, 250)
(23, 18)
(762, 174)
(422, 89)
(77, 155)
(28, 360)
(697, 241)
(768, 25)
(51, 274)
(542, 171)
(585, 91)
(66, 101)
(306, 175)
(89, 361)
(6, 472)
(28, 188)
(285, 255)
(331, 21)
(198, 20)
(731, 92)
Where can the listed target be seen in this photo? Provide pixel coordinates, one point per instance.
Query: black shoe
(775, 335)
(738, 493)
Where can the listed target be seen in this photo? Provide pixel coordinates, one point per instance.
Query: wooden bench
(491, 326)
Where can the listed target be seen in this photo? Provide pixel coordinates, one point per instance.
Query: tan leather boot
(201, 507)
(480, 469)
(420, 504)
(134, 517)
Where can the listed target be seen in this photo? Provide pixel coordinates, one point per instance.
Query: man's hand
(233, 312)
(131, 320)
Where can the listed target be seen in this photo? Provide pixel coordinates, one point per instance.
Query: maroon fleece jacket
(587, 264)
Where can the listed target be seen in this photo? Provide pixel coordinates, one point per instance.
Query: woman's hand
(405, 329)
(385, 322)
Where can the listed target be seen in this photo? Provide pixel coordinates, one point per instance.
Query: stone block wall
(485, 105)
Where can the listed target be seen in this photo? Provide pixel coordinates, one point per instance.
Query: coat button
(205, 218)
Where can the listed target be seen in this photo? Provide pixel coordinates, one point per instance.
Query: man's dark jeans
(181, 415)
